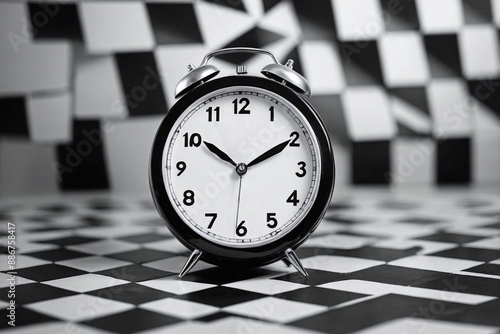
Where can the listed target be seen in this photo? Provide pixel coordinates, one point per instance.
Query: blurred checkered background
(409, 90)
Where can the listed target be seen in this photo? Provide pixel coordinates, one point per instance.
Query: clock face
(240, 166)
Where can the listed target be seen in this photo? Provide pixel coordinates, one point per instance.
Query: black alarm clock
(242, 169)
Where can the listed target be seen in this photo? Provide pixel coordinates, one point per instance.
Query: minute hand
(275, 150)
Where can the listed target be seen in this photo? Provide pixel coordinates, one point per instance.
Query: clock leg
(193, 258)
(295, 261)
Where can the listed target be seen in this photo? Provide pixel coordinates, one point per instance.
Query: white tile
(440, 16)
(86, 282)
(368, 114)
(14, 23)
(183, 309)
(413, 161)
(116, 26)
(93, 263)
(175, 285)
(43, 66)
(404, 60)
(113, 231)
(497, 261)
(134, 178)
(358, 20)
(489, 243)
(265, 286)
(22, 261)
(50, 118)
(322, 67)
(450, 108)
(435, 263)
(426, 326)
(79, 307)
(378, 289)
(275, 309)
(410, 116)
(98, 91)
(427, 247)
(339, 264)
(479, 54)
(19, 280)
(106, 246)
(54, 327)
(171, 245)
(495, 9)
(338, 241)
(397, 230)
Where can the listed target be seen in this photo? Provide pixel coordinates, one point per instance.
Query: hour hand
(273, 151)
(215, 150)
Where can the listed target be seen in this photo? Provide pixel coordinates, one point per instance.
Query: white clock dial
(278, 178)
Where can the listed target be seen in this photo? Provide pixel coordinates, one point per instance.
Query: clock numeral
(188, 198)
(302, 169)
(271, 113)
(181, 166)
(210, 113)
(243, 110)
(241, 230)
(193, 140)
(295, 136)
(293, 198)
(272, 221)
(213, 216)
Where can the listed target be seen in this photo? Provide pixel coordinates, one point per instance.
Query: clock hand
(273, 151)
(214, 149)
(238, 206)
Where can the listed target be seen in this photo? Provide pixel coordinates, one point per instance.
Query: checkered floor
(380, 262)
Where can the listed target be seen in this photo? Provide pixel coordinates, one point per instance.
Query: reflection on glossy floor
(380, 262)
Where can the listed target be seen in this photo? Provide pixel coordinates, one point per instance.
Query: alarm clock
(241, 168)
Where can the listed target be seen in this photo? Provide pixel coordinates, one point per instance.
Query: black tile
(255, 38)
(13, 117)
(494, 225)
(400, 16)
(450, 237)
(94, 220)
(81, 164)
(370, 162)
(132, 321)
(485, 314)
(55, 20)
(487, 268)
(174, 23)
(415, 96)
(444, 55)
(221, 275)
(238, 5)
(144, 238)
(135, 273)
(375, 311)
(141, 255)
(48, 272)
(316, 19)
(216, 317)
(420, 220)
(141, 84)
(67, 241)
(361, 63)
(57, 208)
(486, 91)
(23, 317)
(465, 284)
(340, 219)
(477, 11)
(398, 275)
(398, 205)
(453, 161)
(58, 254)
(365, 252)
(469, 253)
(221, 296)
(320, 296)
(316, 277)
(35, 292)
(130, 293)
(332, 113)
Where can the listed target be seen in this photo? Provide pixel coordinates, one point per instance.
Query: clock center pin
(241, 169)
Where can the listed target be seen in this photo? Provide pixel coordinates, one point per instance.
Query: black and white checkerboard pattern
(380, 262)
(407, 88)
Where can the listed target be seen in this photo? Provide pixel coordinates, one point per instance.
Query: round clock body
(242, 170)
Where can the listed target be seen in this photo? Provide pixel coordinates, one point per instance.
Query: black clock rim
(249, 256)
